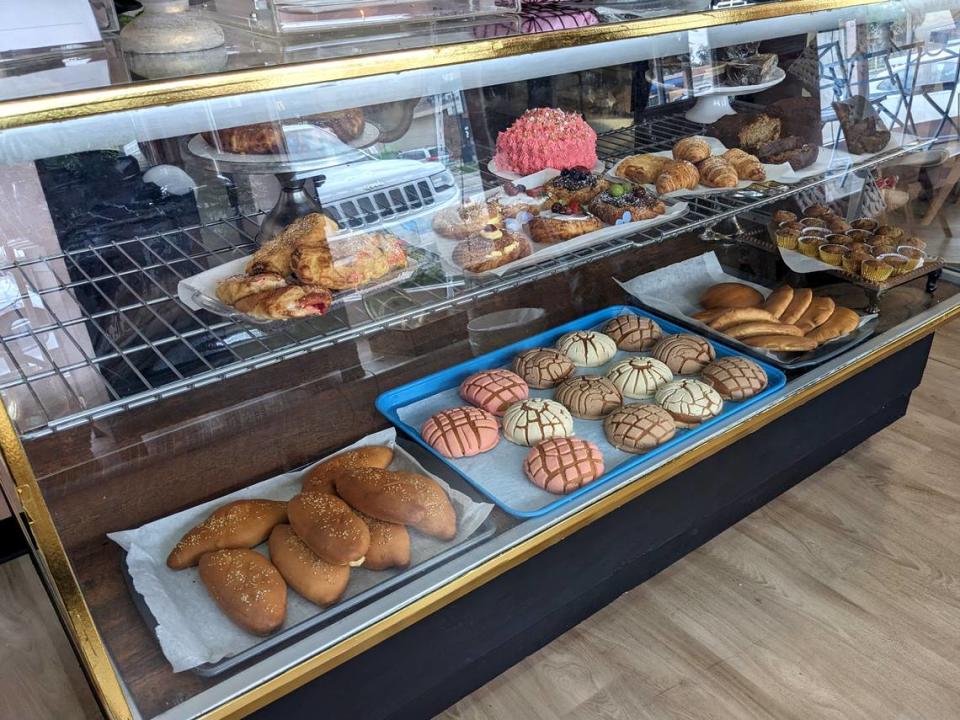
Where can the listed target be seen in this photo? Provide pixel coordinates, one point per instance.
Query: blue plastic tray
(498, 474)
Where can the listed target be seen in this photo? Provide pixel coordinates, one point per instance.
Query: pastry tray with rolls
(779, 173)
(195, 635)
(498, 473)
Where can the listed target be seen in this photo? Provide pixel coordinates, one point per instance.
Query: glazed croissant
(678, 175)
(718, 173)
(748, 166)
(274, 255)
(291, 301)
(692, 149)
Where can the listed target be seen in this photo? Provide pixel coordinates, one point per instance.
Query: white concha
(587, 348)
(689, 401)
(528, 422)
(639, 378)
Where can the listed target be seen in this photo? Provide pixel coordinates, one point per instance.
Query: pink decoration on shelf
(546, 138)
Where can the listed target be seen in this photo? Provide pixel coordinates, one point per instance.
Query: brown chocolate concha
(735, 378)
(589, 397)
(543, 367)
(633, 333)
(684, 353)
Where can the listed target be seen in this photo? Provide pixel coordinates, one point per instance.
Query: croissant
(274, 255)
(718, 172)
(292, 301)
(678, 175)
(748, 166)
(692, 149)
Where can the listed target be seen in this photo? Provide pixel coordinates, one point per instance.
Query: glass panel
(140, 393)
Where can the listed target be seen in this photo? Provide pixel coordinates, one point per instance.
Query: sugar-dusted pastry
(490, 249)
(684, 353)
(320, 477)
(690, 402)
(633, 333)
(576, 184)
(494, 390)
(678, 175)
(735, 377)
(589, 397)
(643, 169)
(639, 428)
(400, 497)
(461, 432)
(554, 227)
(562, 465)
(730, 295)
(458, 222)
(587, 348)
(239, 524)
(748, 167)
(639, 378)
(236, 287)
(247, 587)
(329, 527)
(622, 203)
(286, 303)
(543, 367)
(530, 421)
(692, 149)
(546, 138)
(316, 580)
(842, 321)
(389, 544)
(717, 172)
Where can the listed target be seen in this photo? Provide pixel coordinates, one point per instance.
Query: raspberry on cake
(546, 138)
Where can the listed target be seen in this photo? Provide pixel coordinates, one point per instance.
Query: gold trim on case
(94, 652)
(83, 103)
(72, 606)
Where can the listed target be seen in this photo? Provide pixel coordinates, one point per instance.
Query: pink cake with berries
(546, 138)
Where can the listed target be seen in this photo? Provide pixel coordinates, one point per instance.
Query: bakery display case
(397, 354)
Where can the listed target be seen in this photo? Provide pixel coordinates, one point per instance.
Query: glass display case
(710, 222)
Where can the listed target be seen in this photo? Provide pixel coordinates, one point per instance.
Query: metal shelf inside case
(99, 330)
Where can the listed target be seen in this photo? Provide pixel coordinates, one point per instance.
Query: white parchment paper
(675, 291)
(191, 629)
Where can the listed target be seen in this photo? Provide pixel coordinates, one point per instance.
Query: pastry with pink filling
(546, 138)
(563, 464)
(461, 432)
(494, 390)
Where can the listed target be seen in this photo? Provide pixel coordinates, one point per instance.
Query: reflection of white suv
(362, 194)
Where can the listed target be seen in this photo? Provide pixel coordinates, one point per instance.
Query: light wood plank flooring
(840, 599)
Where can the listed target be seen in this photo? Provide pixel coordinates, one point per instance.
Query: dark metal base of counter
(432, 664)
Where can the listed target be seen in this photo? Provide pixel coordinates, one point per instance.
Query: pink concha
(461, 432)
(494, 390)
(546, 138)
(562, 465)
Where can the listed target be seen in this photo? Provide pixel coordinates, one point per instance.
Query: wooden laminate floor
(840, 599)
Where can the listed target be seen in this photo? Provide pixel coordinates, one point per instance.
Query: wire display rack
(99, 330)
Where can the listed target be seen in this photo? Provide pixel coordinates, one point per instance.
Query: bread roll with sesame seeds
(389, 544)
(321, 477)
(329, 527)
(400, 497)
(318, 581)
(240, 524)
(247, 587)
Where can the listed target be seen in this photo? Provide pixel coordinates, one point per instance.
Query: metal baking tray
(508, 488)
(325, 616)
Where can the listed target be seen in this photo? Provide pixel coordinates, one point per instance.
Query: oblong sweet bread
(761, 327)
(329, 527)
(842, 322)
(400, 497)
(239, 524)
(781, 343)
(247, 587)
(802, 298)
(778, 301)
(738, 316)
(320, 478)
(317, 580)
(820, 310)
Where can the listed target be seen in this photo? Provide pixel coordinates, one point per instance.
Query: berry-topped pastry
(564, 220)
(576, 184)
(461, 221)
(516, 199)
(546, 138)
(626, 203)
